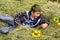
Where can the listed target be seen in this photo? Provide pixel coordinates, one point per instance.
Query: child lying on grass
(30, 18)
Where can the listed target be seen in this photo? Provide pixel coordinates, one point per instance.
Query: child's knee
(44, 25)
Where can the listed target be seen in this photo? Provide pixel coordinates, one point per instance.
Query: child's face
(36, 14)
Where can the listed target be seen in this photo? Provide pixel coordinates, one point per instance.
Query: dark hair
(35, 8)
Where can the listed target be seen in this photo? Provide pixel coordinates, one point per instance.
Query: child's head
(35, 10)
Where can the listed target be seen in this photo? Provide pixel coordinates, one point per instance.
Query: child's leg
(9, 20)
(5, 29)
(6, 18)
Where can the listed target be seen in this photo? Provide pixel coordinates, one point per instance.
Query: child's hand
(44, 25)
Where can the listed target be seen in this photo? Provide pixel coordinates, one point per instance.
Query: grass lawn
(49, 11)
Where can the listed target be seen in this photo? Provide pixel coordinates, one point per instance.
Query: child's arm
(16, 19)
(44, 23)
(20, 17)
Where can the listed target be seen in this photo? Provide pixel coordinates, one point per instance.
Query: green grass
(48, 9)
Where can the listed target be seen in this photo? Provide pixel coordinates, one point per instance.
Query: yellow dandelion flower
(58, 24)
(36, 33)
(56, 19)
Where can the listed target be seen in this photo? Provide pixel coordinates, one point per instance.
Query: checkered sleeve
(17, 18)
(20, 17)
(43, 20)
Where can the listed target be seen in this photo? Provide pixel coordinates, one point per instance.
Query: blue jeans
(8, 19)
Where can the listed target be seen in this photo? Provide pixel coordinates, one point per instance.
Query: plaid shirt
(21, 18)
